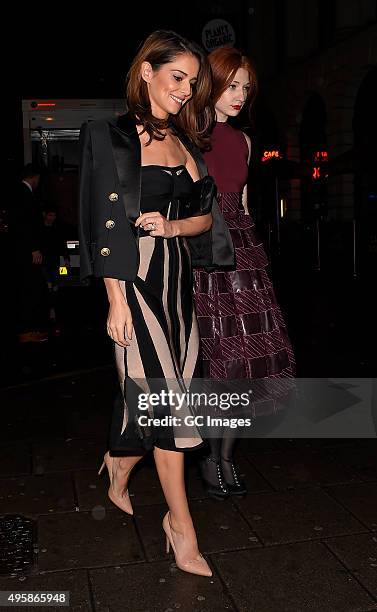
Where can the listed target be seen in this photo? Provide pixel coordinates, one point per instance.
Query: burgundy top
(227, 159)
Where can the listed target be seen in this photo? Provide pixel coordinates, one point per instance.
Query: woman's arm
(180, 227)
(192, 226)
(244, 192)
(119, 318)
(244, 200)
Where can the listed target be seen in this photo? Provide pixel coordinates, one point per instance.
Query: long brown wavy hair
(197, 115)
(225, 61)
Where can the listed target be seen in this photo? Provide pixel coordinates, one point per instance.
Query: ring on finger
(153, 227)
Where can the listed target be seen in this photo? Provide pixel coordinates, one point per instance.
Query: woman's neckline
(180, 166)
(165, 167)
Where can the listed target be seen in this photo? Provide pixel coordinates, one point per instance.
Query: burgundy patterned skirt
(243, 334)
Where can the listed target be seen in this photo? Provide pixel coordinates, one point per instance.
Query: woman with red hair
(243, 335)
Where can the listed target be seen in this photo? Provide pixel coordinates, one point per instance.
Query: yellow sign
(63, 270)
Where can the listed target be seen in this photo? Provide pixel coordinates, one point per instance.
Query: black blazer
(109, 204)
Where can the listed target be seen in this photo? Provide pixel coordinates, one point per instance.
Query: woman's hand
(157, 225)
(119, 321)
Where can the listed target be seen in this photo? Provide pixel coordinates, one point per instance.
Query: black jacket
(110, 186)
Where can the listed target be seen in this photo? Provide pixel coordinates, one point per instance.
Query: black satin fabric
(199, 202)
(104, 252)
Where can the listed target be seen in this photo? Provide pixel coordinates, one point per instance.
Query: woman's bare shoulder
(248, 140)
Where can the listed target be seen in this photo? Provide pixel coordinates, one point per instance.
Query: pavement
(305, 536)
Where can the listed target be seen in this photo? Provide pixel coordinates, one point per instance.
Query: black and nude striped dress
(163, 352)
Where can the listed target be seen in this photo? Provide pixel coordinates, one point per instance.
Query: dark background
(317, 70)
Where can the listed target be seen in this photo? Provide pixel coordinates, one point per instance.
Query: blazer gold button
(105, 251)
(113, 197)
(110, 224)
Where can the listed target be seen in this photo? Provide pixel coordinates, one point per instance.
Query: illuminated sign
(320, 171)
(63, 270)
(273, 154)
(320, 156)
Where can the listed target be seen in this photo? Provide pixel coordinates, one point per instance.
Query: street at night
(290, 522)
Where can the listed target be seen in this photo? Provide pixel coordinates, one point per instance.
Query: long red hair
(225, 61)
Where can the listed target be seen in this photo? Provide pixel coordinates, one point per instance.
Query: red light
(316, 173)
(44, 104)
(320, 156)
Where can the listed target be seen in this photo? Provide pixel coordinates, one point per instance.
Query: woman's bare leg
(170, 468)
(122, 470)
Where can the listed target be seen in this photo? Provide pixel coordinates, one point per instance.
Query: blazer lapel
(127, 157)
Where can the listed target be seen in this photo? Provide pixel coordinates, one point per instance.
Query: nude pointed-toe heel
(121, 501)
(198, 565)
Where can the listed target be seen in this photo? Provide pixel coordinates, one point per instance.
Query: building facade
(317, 63)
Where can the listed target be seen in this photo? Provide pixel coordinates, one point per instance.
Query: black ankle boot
(211, 473)
(233, 481)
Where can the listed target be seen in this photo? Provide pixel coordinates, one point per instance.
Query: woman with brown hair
(243, 335)
(144, 195)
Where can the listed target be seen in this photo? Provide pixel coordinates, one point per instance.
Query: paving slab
(145, 488)
(42, 428)
(92, 424)
(292, 516)
(33, 495)
(291, 578)
(75, 582)
(13, 420)
(219, 526)
(15, 459)
(156, 587)
(362, 458)
(303, 467)
(360, 499)
(359, 554)
(87, 539)
(67, 454)
(92, 489)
